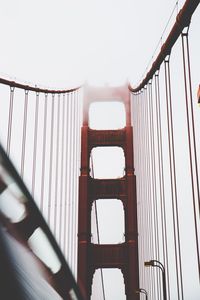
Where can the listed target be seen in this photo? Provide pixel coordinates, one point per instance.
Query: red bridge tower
(125, 255)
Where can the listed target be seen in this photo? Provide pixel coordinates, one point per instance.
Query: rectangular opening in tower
(102, 281)
(107, 221)
(107, 162)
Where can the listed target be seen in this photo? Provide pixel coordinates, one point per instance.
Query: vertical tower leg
(125, 255)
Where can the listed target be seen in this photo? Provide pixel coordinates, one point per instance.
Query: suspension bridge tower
(124, 255)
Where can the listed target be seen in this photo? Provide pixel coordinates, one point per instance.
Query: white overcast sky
(64, 42)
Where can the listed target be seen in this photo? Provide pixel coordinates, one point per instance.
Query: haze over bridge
(41, 134)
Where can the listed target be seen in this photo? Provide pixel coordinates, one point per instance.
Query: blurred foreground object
(32, 265)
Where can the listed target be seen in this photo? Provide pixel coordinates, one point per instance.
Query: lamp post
(143, 291)
(156, 263)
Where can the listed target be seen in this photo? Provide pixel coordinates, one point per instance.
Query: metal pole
(143, 291)
(164, 285)
(156, 263)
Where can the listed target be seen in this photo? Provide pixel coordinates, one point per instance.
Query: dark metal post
(156, 263)
(143, 291)
(164, 285)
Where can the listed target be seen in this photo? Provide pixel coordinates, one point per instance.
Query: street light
(156, 263)
(143, 291)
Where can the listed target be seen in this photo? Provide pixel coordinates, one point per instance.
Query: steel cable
(161, 176)
(74, 115)
(191, 137)
(70, 179)
(10, 119)
(149, 194)
(155, 196)
(62, 169)
(23, 153)
(43, 154)
(57, 165)
(35, 142)
(51, 159)
(173, 181)
(67, 174)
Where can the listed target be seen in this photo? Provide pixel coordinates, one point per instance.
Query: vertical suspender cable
(147, 239)
(136, 164)
(73, 175)
(57, 165)
(137, 160)
(35, 144)
(76, 174)
(151, 187)
(191, 136)
(161, 176)
(145, 212)
(72, 179)
(24, 133)
(147, 178)
(175, 184)
(173, 181)
(64, 163)
(62, 168)
(70, 176)
(138, 178)
(154, 192)
(149, 194)
(51, 159)
(66, 176)
(75, 179)
(143, 185)
(66, 172)
(146, 181)
(155, 196)
(10, 119)
(137, 131)
(43, 154)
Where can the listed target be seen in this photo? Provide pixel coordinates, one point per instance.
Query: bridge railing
(32, 264)
(40, 132)
(166, 120)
